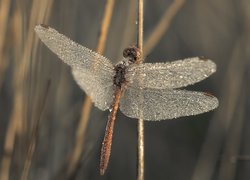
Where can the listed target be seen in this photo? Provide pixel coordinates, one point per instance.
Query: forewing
(170, 75)
(92, 72)
(155, 104)
(72, 53)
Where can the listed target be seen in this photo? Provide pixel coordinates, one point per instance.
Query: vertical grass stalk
(140, 172)
(76, 152)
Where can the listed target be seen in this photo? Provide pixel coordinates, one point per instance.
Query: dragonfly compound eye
(132, 53)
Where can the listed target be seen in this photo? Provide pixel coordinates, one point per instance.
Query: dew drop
(110, 109)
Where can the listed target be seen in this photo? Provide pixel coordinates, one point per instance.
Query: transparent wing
(73, 54)
(170, 75)
(155, 104)
(100, 91)
(92, 72)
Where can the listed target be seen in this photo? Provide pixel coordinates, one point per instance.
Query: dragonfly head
(132, 53)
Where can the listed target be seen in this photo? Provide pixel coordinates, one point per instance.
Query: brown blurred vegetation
(41, 103)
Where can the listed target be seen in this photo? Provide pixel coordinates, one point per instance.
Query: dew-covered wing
(170, 75)
(100, 91)
(92, 72)
(155, 104)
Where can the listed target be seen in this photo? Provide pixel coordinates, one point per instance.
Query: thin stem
(140, 27)
(158, 32)
(128, 35)
(242, 158)
(219, 127)
(44, 13)
(105, 26)
(4, 12)
(8, 149)
(17, 123)
(162, 25)
(34, 136)
(140, 175)
(11, 129)
(140, 172)
(79, 139)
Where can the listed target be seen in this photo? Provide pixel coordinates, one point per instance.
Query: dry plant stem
(11, 129)
(140, 28)
(10, 138)
(34, 137)
(163, 25)
(105, 26)
(232, 144)
(8, 149)
(107, 141)
(41, 16)
(227, 169)
(242, 158)
(17, 121)
(219, 125)
(129, 33)
(140, 171)
(4, 12)
(77, 150)
(153, 39)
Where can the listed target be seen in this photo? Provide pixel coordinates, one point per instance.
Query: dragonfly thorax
(120, 71)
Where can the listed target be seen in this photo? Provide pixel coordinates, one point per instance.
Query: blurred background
(44, 133)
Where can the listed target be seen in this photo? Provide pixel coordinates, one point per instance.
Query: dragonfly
(148, 91)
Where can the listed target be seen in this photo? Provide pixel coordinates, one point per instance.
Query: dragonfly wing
(72, 53)
(92, 72)
(100, 90)
(155, 104)
(170, 75)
